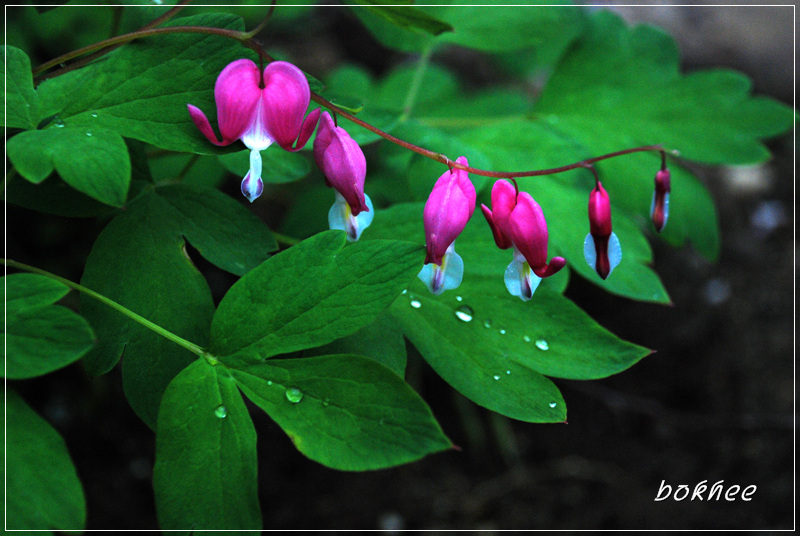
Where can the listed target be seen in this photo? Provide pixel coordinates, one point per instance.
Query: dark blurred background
(715, 402)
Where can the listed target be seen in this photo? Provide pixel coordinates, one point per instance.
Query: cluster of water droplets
(465, 313)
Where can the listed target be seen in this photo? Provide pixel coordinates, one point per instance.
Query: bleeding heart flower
(659, 207)
(259, 110)
(517, 221)
(342, 162)
(601, 247)
(447, 211)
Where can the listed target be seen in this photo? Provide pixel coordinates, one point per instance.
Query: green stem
(192, 161)
(107, 48)
(127, 38)
(416, 82)
(195, 349)
(284, 239)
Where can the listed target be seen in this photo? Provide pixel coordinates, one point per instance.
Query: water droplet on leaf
(542, 344)
(508, 372)
(221, 412)
(526, 338)
(502, 331)
(487, 323)
(94, 114)
(269, 382)
(88, 133)
(414, 301)
(294, 395)
(464, 313)
(459, 298)
(552, 404)
(326, 402)
(496, 377)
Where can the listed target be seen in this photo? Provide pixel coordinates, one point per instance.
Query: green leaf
(140, 261)
(346, 412)
(638, 97)
(53, 196)
(141, 90)
(93, 161)
(406, 17)
(205, 471)
(486, 28)
(279, 166)
(190, 169)
(43, 491)
(311, 294)
(222, 230)
(40, 337)
(21, 109)
(500, 356)
(381, 341)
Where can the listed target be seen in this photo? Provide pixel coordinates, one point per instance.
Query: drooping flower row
(262, 108)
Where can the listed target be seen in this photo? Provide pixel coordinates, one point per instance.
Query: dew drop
(508, 372)
(502, 331)
(88, 133)
(405, 291)
(326, 402)
(459, 298)
(294, 395)
(496, 376)
(94, 114)
(221, 412)
(526, 338)
(464, 313)
(552, 404)
(487, 323)
(541, 344)
(58, 122)
(269, 382)
(414, 301)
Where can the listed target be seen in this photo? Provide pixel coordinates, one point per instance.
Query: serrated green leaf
(500, 356)
(346, 412)
(43, 491)
(40, 337)
(141, 90)
(279, 166)
(205, 471)
(477, 27)
(311, 294)
(21, 109)
(381, 341)
(93, 161)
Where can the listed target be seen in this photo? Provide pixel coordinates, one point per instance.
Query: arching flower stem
(246, 39)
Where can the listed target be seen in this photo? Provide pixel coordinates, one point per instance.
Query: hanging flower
(259, 110)
(659, 207)
(517, 221)
(447, 211)
(342, 162)
(601, 247)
